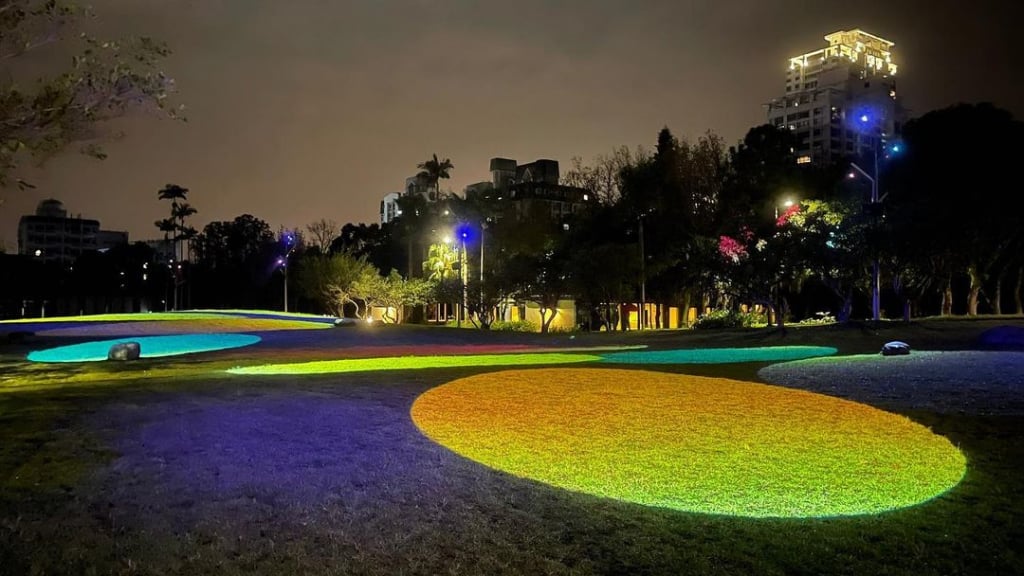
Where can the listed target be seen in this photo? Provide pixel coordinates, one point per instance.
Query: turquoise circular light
(149, 347)
(719, 355)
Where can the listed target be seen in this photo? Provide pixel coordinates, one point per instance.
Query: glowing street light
(282, 262)
(463, 233)
(787, 204)
(876, 300)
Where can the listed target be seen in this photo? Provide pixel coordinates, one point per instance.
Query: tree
(604, 176)
(106, 79)
(950, 202)
(432, 171)
(336, 281)
(397, 293)
(439, 268)
(180, 211)
(322, 233)
(234, 261)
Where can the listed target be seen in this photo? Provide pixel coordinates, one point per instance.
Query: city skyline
(295, 126)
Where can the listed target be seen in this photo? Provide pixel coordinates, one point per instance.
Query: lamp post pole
(465, 278)
(289, 247)
(876, 299)
(483, 226)
(643, 276)
(876, 292)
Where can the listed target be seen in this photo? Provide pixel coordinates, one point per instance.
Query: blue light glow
(465, 233)
(719, 355)
(149, 347)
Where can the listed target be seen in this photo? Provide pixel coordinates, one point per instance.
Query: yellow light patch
(691, 443)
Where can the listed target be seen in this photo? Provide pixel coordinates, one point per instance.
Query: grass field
(174, 466)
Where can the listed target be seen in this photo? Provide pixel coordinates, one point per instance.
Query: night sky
(305, 109)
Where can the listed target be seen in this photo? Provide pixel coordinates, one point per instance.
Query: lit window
(805, 159)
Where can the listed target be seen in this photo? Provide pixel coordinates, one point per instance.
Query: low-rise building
(52, 236)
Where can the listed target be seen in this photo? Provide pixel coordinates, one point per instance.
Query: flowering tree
(759, 267)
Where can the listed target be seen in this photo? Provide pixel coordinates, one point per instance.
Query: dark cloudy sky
(303, 109)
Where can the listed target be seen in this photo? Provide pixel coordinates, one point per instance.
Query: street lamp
(876, 199)
(643, 272)
(876, 298)
(483, 226)
(289, 245)
(787, 204)
(463, 234)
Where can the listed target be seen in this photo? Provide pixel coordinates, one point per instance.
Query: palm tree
(175, 225)
(433, 171)
(179, 212)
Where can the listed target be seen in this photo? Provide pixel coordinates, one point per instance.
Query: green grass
(411, 363)
(134, 317)
(690, 443)
(83, 493)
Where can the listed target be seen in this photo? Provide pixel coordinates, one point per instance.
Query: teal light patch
(719, 355)
(149, 347)
(413, 363)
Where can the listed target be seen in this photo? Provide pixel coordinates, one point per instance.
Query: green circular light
(690, 443)
(412, 363)
(718, 355)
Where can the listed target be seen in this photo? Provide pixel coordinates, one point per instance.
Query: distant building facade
(52, 236)
(840, 100)
(528, 189)
(389, 209)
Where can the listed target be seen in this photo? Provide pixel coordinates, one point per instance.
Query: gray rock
(345, 322)
(124, 351)
(895, 348)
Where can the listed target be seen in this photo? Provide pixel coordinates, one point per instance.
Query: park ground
(174, 466)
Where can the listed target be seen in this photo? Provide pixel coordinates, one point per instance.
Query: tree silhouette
(433, 171)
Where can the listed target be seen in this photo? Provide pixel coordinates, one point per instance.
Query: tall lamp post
(463, 277)
(643, 273)
(874, 178)
(289, 246)
(876, 299)
(483, 226)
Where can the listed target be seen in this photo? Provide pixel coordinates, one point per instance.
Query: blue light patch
(149, 347)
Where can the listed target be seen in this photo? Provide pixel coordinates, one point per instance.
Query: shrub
(719, 319)
(731, 319)
(819, 318)
(516, 326)
(752, 319)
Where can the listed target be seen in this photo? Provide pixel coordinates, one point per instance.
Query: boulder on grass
(124, 351)
(895, 348)
(345, 322)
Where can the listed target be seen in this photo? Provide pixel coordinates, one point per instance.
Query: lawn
(175, 466)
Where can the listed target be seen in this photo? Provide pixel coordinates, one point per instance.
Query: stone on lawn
(895, 348)
(124, 351)
(344, 322)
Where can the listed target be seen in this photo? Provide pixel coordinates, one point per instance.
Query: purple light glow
(302, 448)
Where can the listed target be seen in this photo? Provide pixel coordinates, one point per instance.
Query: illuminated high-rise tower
(840, 99)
